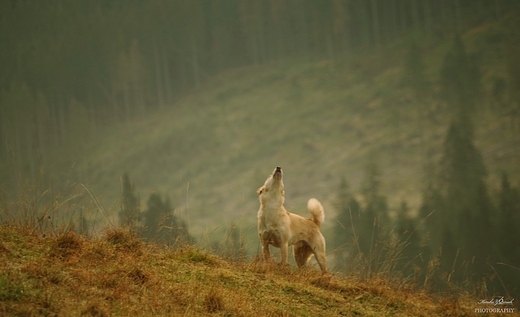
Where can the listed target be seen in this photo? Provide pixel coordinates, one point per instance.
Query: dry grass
(119, 275)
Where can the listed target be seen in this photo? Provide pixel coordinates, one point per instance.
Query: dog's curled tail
(316, 210)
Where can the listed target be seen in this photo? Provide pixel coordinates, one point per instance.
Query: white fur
(316, 210)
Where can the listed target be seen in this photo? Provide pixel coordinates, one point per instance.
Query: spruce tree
(460, 80)
(129, 213)
(468, 206)
(374, 219)
(434, 213)
(508, 236)
(432, 210)
(160, 223)
(462, 226)
(158, 219)
(375, 203)
(410, 244)
(449, 251)
(346, 224)
(509, 222)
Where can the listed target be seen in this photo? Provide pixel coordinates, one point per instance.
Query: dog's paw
(323, 281)
(283, 267)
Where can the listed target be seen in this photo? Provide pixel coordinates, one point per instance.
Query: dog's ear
(260, 190)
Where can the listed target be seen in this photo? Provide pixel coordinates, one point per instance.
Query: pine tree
(468, 206)
(160, 223)
(434, 211)
(434, 230)
(410, 244)
(509, 235)
(158, 219)
(347, 220)
(509, 222)
(129, 214)
(460, 80)
(461, 225)
(432, 204)
(374, 219)
(449, 252)
(375, 203)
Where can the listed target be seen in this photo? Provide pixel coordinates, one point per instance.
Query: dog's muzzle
(277, 172)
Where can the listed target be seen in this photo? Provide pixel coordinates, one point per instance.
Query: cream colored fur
(281, 229)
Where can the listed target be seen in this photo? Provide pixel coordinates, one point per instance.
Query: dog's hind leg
(322, 261)
(319, 252)
(284, 250)
(302, 253)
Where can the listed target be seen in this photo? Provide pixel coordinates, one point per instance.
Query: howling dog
(280, 228)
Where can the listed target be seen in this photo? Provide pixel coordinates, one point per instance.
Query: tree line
(462, 232)
(157, 222)
(71, 67)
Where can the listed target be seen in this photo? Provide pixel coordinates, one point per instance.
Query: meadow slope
(117, 274)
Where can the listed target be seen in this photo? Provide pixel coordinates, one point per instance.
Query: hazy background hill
(199, 101)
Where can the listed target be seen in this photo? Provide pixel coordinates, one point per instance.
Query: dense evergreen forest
(71, 68)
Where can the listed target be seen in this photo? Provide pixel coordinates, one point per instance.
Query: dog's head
(273, 189)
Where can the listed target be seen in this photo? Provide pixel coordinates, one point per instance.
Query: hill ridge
(119, 275)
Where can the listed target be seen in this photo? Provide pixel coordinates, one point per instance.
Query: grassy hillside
(319, 120)
(119, 275)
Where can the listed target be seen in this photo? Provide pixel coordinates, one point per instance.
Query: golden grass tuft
(94, 310)
(66, 245)
(124, 239)
(3, 250)
(213, 301)
(138, 276)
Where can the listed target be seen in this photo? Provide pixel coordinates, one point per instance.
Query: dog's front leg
(284, 249)
(266, 253)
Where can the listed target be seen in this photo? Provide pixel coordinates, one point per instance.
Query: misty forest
(401, 116)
